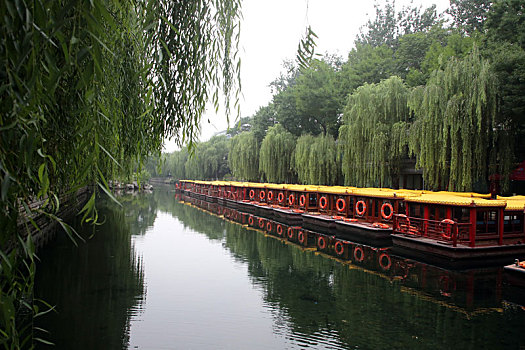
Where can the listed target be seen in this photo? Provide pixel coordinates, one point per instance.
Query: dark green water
(164, 275)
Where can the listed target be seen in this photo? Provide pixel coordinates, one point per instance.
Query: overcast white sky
(270, 33)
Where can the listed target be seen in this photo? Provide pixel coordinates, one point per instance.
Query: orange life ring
(360, 204)
(359, 254)
(279, 229)
(261, 223)
(339, 248)
(390, 207)
(252, 194)
(302, 200)
(380, 225)
(270, 195)
(291, 199)
(340, 204)
(290, 232)
(321, 242)
(336, 217)
(269, 226)
(262, 195)
(301, 237)
(323, 202)
(280, 197)
(386, 266)
(399, 225)
(350, 220)
(446, 226)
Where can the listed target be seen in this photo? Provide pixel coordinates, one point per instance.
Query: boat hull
(442, 253)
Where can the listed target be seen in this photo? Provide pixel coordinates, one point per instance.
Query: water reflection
(160, 274)
(97, 286)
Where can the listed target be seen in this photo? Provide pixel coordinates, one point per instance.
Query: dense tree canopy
(244, 157)
(373, 137)
(275, 156)
(456, 137)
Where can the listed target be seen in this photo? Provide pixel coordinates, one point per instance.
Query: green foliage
(456, 137)
(275, 156)
(373, 137)
(323, 161)
(301, 157)
(367, 64)
(244, 157)
(506, 22)
(306, 48)
(263, 119)
(469, 15)
(388, 26)
(89, 89)
(210, 161)
(175, 164)
(317, 98)
(438, 54)
(315, 160)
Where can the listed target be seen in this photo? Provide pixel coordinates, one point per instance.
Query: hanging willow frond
(456, 138)
(306, 48)
(275, 161)
(374, 136)
(244, 157)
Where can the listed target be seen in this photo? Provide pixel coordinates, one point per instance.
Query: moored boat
(459, 229)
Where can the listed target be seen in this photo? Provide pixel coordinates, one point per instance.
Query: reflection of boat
(446, 227)
(470, 291)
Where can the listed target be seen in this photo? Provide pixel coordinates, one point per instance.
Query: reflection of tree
(140, 211)
(96, 287)
(322, 298)
(197, 220)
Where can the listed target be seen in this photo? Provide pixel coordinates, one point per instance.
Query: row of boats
(455, 229)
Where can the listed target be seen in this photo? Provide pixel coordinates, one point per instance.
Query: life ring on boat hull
(447, 226)
(340, 205)
(385, 265)
(302, 200)
(359, 254)
(323, 202)
(322, 242)
(339, 248)
(360, 208)
(301, 237)
(388, 206)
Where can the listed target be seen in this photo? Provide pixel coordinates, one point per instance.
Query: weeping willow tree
(301, 157)
(275, 156)
(174, 164)
(315, 160)
(210, 160)
(89, 89)
(244, 157)
(374, 137)
(324, 165)
(457, 138)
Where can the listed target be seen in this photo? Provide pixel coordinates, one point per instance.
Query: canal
(162, 274)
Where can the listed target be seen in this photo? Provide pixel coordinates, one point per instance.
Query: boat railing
(447, 231)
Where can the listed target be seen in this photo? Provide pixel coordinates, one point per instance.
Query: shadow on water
(98, 285)
(315, 301)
